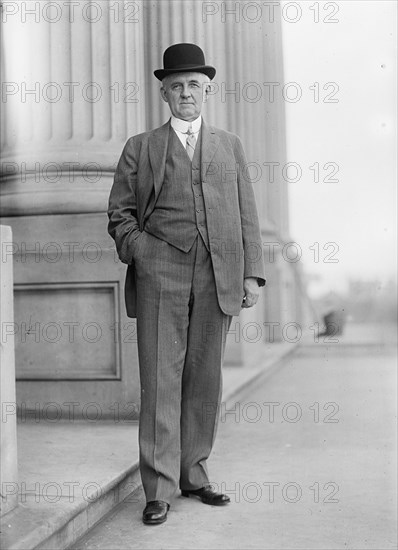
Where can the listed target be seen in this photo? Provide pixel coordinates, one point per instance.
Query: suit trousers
(181, 333)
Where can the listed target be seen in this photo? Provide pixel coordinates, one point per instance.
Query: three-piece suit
(189, 232)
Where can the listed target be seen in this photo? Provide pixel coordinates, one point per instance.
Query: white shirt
(181, 127)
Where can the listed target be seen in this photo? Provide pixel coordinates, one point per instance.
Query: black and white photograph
(198, 222)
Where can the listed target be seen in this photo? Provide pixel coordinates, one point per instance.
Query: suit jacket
(232, 222)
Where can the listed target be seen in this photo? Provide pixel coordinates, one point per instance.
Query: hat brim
(205, 69)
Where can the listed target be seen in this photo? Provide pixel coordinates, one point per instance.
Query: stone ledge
(45, 526)
(70, 476)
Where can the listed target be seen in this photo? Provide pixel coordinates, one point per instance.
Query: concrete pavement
(308, 457)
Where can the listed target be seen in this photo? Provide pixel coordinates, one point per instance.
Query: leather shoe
(208, 495)
(155, 512)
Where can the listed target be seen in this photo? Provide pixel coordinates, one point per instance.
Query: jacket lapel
(210, 143)
(157, 155)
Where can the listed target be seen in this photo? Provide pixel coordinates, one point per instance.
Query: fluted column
(73, 92)
(72, 75)
(87, 84)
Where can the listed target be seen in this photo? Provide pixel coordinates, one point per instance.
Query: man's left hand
(252, 292)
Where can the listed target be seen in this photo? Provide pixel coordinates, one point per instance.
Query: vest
(179, 213)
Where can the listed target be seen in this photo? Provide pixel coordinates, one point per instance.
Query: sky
(356, 134)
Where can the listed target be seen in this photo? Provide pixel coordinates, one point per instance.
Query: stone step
(72, 474)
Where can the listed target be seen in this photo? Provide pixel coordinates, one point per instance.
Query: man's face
(185, 93)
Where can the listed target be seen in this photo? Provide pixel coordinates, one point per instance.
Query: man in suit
(183, 216)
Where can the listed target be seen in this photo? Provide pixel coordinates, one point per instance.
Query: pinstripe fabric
(181, 338)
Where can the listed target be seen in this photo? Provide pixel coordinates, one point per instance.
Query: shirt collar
(183, 125)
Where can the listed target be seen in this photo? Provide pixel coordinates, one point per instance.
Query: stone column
(9, 465)
(73, 83)
(71, 98)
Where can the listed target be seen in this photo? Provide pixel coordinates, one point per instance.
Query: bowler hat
(184, 58)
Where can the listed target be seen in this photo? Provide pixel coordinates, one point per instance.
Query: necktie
(191, 142)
